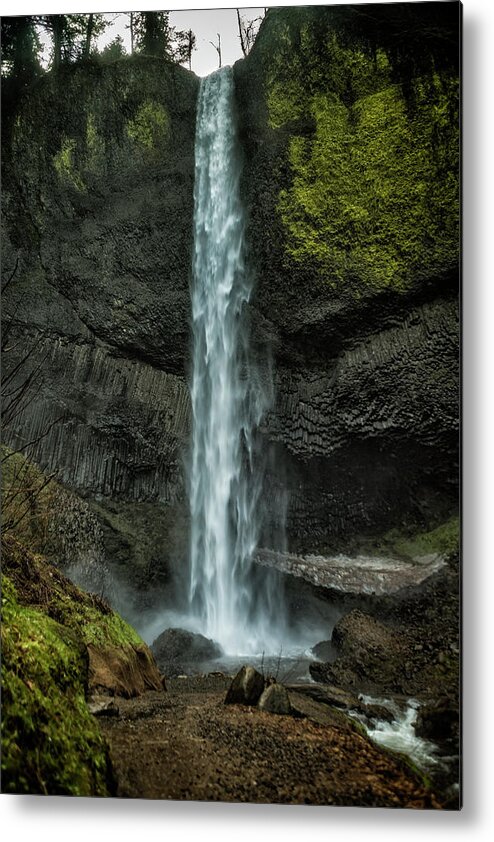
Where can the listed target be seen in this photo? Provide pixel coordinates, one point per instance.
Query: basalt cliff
(350, 182)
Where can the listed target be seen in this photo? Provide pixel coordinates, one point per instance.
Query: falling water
(232, 603)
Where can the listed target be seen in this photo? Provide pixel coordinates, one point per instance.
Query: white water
(230, 600)
(399, 734)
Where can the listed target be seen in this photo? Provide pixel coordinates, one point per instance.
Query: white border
(51, 819)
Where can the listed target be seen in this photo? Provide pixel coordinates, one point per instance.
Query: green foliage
(71, 35)
(50, 742)
(444, 540)
(113, 51)
(150, 128)
(95, 146)
(153, 33)
(20, 49)
(26, 499)
(373, 198)
(64, 163)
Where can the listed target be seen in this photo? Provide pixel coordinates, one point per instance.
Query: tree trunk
(89, 35)
(58, 25)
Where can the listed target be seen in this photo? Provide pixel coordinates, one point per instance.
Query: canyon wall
(350, 131)
(98, 204)
(351, 184)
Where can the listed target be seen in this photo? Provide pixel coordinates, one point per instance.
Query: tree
(247, 32)
(217, 47)
(113, 51)
(72, 35)
(153, 34)
(95, 25)
(20, 50)
(185, 44)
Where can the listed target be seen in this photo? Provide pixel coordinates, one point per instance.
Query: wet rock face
(98, 229)
(362, 433)
(365, 419)
(110, 202)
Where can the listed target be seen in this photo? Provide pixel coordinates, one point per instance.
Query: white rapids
(231, 599)
(399, 734)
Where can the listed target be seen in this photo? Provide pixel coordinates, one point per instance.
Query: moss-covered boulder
(51, 631)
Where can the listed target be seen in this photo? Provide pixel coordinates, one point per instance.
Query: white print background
(49, 819)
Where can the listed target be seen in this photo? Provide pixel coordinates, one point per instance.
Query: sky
(205, 22)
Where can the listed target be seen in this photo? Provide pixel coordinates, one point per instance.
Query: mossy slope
(50, 742)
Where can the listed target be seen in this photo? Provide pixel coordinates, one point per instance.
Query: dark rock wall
(97, 213)
(351, 179)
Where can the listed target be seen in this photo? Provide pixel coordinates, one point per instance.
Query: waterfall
(231, 598)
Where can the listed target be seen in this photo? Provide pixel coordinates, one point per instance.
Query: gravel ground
(185, 744)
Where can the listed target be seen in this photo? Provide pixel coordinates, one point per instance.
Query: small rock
(376, 713)
(275, 699)
(103, 706)
(246, 687)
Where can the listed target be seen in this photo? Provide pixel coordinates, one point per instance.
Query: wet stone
(246, 687)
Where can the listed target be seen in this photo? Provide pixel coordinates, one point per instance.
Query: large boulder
(175, 647)
(324, 650)
(369, 653)
(122, 670)
(246, 688)
(439, 720)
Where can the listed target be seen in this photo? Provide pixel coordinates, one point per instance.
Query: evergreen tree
(113, 51)
(153, 34)
(20, 50)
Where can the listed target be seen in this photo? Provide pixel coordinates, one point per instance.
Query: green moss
(371, 201)
(90, 624)
(285, 102)
(95, 146)
(150, 128)
(444, 540)
(64, 164)
(50, 742)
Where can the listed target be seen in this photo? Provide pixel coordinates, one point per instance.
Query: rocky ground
(186, 744)
(409, 647)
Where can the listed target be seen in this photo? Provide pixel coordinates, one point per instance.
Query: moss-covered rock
(364, 145)
(51, 631)
(50, 741)
(374, 198)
